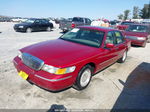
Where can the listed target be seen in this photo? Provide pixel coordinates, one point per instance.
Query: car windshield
(126, 23)
(137, 28)
(84, 36)
(30, 21)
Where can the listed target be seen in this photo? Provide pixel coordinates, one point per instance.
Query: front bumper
(137, 42)
(44, 79)
(19, 29)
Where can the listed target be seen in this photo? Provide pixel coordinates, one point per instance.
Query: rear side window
(87, 21)
(44, 21)
(118, 37)
(109, 38)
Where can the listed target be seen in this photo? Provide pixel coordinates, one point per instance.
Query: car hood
(137, 34)
(60, 53)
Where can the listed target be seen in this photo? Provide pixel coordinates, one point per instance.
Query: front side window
(84, 36)
(37, 21)
(30, 21)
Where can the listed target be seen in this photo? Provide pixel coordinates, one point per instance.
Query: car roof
(37, 19)
(104, 29)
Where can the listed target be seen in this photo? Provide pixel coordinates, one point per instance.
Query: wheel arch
(93, 65)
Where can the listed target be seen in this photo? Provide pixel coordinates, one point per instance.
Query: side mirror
(109, 45)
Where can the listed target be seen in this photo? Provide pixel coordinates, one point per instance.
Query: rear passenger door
(42, 25)
(109, 54)
(120, 44)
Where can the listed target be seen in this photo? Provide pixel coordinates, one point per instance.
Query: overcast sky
(93, 9)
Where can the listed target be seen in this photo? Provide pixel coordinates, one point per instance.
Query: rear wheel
(28, 30)
(123, 58)
(84, 78)
(48, 29)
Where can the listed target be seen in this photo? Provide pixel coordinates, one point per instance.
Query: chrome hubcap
(85, 78)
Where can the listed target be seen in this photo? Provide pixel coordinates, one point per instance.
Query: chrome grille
(32, 61)
(131, 37)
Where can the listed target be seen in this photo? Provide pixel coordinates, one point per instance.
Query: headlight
(141, 38)
(58, 71)
(19, 54)
(20, 26)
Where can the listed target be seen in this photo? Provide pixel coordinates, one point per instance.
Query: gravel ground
(124, 85)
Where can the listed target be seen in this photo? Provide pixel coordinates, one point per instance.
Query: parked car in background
(72, 59)
(76, 21)
(124, 25)
(113, 23)
(139, 34)
(4, 19)
(18, 19)
(146, 21)
(34, 25)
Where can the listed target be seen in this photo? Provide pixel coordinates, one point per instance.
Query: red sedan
(72, 59)
(139, 34)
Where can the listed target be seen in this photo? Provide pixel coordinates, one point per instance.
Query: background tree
(120, 16)
(126, 14)
(135, 12)
(145, 12)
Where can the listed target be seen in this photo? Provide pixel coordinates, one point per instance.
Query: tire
(83, 78)
(123, 58)
(48, 29)
(28, 30)
(144, 44)
(148, 40)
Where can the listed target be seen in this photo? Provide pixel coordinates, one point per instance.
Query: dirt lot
(119, 86)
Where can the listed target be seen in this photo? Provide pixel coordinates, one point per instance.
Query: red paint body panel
(61, 53)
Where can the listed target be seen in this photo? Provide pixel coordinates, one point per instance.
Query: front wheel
(123, 58)
(84, 78)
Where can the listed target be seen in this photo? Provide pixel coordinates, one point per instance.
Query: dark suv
(34, 25)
